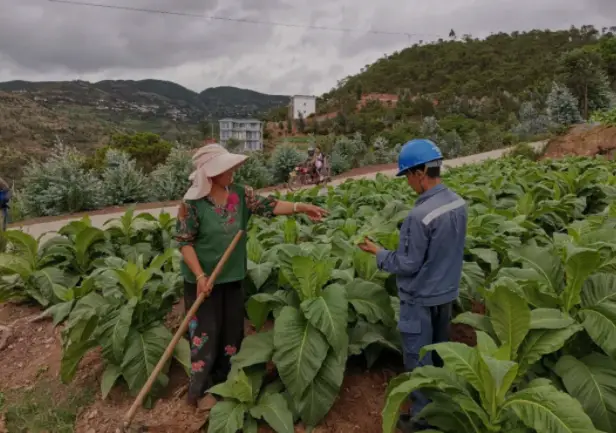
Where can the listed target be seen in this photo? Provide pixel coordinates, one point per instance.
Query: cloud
(44, 40)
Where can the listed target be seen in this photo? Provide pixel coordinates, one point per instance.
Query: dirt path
(41, 226)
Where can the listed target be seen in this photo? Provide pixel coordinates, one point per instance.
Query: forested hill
(473, 67)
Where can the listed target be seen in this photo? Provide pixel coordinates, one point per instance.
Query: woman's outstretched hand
(313, 212)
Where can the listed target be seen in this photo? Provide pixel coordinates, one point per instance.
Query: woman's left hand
(313, 212)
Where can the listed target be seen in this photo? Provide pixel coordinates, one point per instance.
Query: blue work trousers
(421, 326)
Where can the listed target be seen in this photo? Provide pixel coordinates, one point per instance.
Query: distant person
(427, 263)
(5, 196)
(318, 162)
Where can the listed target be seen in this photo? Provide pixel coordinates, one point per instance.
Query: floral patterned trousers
(215, 333)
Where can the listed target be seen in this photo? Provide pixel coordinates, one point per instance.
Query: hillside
(33, 115)
(155, 97)
(515, 63)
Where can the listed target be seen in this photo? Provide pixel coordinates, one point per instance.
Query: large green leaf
(580, 263)
(460, 359)
(111, 374)
(592, 381)
(84, 240)
(598, 313)
(472, 278)
(328, 313)
(259, 272)
(274, 410)
(364, 334)
(486, 255)
(397, 393)
(540, 342)
(308, 275)
(479, 322)
(545, 265)
(72, 356)
(259, 306)
(546, 409)
(321, 393)
(226, 417)
(498, 376)
(371, 301)
(510, 317)
(549, 318)
(16, 264)
(113, 331)
(143, 351)
(366, 268)
(256, 349)
(299, 350)
(445, 413)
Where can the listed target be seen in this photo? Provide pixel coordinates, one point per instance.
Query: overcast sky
(41, 40)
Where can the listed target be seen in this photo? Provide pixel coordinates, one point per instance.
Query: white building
(303, 105)
(247, 131)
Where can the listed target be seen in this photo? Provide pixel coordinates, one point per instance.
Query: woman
(213, 210)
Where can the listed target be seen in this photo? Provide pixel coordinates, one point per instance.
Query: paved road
(48, 228)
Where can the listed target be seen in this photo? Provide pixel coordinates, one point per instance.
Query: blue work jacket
(429, 258)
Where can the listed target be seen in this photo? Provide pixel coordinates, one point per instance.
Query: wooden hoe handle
(128, 418)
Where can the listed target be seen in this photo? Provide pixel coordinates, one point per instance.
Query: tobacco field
(538, 292)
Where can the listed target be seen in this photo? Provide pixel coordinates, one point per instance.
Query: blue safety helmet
(418, 152)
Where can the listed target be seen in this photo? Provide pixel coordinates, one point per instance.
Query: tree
(123, 182)
(607, 50)
(254, 172)
(472, 143)
(452, 34)
(531, 122)
(431, 129)
(451, 144)
(562, 106)
(170, 181)
(208, 129)
(581, 72)
(283, 161)
(149, 150)
(234, 145)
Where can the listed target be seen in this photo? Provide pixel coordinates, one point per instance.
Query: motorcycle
(303, 175)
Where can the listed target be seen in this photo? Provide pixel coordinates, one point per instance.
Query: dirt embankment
(584, 140)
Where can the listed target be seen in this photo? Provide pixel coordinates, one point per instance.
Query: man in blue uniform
(427, 263)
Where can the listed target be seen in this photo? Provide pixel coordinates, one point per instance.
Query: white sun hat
(208, 162)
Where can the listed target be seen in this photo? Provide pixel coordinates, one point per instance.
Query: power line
(239, 20)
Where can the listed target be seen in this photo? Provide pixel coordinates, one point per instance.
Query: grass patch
(48, 407)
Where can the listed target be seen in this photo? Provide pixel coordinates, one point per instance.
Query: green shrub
(607, 118)
(254, 172)
(123, 182)
(524, 150)
(61, 185)
(283, 161)
(169, 181)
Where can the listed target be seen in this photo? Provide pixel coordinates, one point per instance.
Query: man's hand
(313, 212)
(368, 246)
(204, 286)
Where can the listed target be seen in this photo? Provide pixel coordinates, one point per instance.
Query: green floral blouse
(210, 229)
